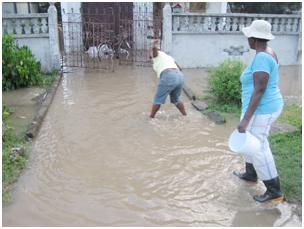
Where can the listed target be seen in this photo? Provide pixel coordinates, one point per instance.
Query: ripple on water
(99, 160)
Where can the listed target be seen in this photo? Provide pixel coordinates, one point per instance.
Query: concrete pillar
(167, 29)
(53, 37)
(216, 7)
(71, 21)
(224, 6)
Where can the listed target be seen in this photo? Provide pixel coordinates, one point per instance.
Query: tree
(265, 7)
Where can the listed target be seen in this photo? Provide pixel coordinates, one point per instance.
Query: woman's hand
(243, 125)
(155, 42)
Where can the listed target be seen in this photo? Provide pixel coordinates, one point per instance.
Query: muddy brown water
(100, 161)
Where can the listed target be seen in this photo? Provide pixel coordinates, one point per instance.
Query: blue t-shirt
(272, 100)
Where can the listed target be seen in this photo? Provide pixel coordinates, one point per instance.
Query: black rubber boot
(249, 175)
(273, 191)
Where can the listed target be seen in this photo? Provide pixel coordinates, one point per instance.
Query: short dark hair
(261, 40)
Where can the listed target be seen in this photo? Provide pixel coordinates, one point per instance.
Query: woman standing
(262, 104)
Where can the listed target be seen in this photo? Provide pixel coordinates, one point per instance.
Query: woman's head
(253, 42)
(259, 29)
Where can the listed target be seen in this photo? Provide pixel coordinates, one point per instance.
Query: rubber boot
(249, 175)
(273, 191)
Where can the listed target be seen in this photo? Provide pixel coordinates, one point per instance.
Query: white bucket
(244, 143)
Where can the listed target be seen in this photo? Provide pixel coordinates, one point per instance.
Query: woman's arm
(260, 84)
(154, 50)
(178, 66)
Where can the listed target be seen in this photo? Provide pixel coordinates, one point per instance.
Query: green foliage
(214, 105)
(287, 150)
(265, 7)
(6, 112)
(19, 67)
(224, 82)
(12, 163)
(48, 79)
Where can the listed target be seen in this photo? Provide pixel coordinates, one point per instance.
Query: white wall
(68, 8)
(216, 7)
(142, 18)
(8, 8)
(71, 21)
(22, 8)
(202, 50)
(38, 49)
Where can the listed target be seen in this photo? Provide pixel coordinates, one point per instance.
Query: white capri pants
(263, 161)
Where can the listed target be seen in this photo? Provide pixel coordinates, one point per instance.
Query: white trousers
(263, 161)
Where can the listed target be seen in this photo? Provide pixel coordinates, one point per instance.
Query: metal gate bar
(139, 33)
(96, 40)
(88, 45)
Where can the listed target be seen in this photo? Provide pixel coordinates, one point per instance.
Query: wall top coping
(227, 33)
(25, 36)
(13, 16)
(239, 15)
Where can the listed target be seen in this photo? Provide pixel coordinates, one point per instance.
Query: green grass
(48, 78)
(12, 164)
(292, 114)
(224, 109)
(287, 151)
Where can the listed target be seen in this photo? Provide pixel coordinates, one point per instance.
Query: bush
(19, 66)
(224, 81)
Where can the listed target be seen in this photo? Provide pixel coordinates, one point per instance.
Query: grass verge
(287, 151)
(14, 161)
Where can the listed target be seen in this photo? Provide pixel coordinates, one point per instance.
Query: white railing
(232, 23)
(28, 25)
(39, 32)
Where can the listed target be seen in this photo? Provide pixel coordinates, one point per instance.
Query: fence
(201, 40)
(38, 32)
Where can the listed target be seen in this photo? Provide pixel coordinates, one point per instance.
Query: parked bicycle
(122, 47)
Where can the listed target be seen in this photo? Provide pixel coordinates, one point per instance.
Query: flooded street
(99, 160)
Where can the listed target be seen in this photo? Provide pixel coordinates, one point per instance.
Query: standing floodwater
(100, 161)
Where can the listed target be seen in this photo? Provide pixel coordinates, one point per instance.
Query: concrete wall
(216, 7)
(39, 32)
(72, 26)
(37, 48)
(21, 7)
(142, 19)
(198, 40)
(202, 50)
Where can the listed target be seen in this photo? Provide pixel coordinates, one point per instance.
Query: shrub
(19, 66)
(224, 81)
(6, 112)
